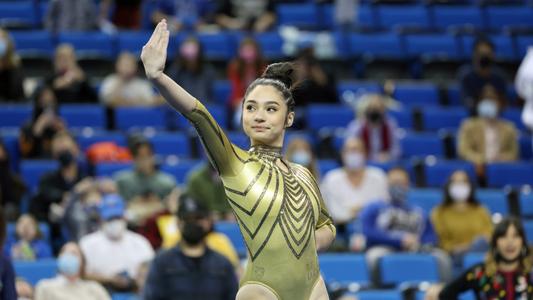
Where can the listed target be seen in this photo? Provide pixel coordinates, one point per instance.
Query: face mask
(354, 161)
(3, 47)
(248, 54)
(193, 233)
(114, 229)
(398, 193)
(487, 108)
(301, 157)
(374, 116)
(189, 51)
(459, 192)
(65, 158)
(485, 61)
(68, 264)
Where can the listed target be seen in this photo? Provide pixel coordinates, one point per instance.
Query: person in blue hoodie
(396, 226)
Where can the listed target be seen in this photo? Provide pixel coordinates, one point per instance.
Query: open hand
(154, 53)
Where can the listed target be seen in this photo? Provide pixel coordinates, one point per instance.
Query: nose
(258, 116)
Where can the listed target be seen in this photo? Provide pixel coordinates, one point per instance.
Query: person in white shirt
(70, 283)
(524, 87)
(114, 254)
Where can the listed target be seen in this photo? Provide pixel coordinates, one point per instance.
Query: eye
(272, 109)
(250, 107)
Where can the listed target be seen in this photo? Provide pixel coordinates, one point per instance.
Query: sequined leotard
(277, 210)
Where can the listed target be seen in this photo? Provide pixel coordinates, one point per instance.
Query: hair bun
(281, 71)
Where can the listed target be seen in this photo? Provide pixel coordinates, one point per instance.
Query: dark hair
(36, 96)
(2, 227)
(138, 143)
(448, 198)
(189, 206)
(482, 40)
(279, 76)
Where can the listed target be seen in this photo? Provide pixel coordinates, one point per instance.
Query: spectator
(24, 289)
(487, 138)
(29, 243)
(377, 131)
(116, 272)
(66, 15)
(524, 87)
(125, 88)
(12, 187)
(348, 189)
(461, 223)
(71, 282)
(482, 72)
(36, 135)
(69, 82)
(394, 225)
(300, 151)
(199, 266)
(205, 185)
(252, 15)
(190, 69)
(145, 179)
(124, 14)
(10, 70)
(7, 274)
(183, 14)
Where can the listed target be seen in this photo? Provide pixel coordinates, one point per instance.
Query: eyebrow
(267, 103)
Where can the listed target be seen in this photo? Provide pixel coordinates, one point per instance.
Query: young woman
(28, 243)
(277, 204)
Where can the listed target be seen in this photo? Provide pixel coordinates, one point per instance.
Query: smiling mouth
(259, 128)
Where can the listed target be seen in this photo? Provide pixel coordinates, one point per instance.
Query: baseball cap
(189, 207)
(112, 206)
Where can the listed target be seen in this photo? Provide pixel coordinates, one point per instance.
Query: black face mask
(485, 62)
(374, 116)
(65, 158)
(192, 233)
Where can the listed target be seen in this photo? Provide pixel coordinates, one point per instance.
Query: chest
(501, 286)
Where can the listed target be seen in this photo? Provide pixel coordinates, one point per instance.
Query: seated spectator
(348, 189)
(506, 272)
(461, 223)
(487, 138)
(377, 131)
(70, 283)
(69, 82)
(145, 179)
(205, 185)
(114, 253)
(394, 225)
(35, 140)
(300, 151)
(252, 15)
(523, 85)
(183, 14)
(7, 273)
(12, 188)
(24, 289)
(203, 273)
(482, 72)
(191, 70)
(10, 70)
(124, 14)
(29, 243)
(125, 88)
(66, 15)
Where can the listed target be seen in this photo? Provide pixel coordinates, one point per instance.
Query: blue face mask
(301, 157)
(68, 264)
(3, 47)
(487, 108)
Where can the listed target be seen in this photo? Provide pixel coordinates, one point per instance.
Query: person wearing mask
(348, 189)
(377, 131)
(69, 82)
(125, 88)
(461, 223)
(10, 70)
(7, 273)
(251, 15)
(487, 138)
(191, 270)
(300, 151)
(29, 243)
(191, 70)
(114, 253)
(480, 73)
(393, 225)
(70, 283)
(12, 188)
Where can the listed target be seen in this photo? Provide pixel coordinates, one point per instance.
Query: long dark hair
(200, 59)
(259, 62)
(448, 198)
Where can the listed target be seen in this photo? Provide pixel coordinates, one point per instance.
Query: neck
(270, 151)
(354, 172)
(508, 267)
(193, 250)
(460, 205)
(70, 172)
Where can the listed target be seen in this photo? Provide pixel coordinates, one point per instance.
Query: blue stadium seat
(221, 91)
(410, 268)
(432, 46)
(85, 141)
(473, 258)
(499, 17)
(379, 295)
(326, 165)
(522, 43)
(344, 268)
(217, 45)
(494, 199)
(90, 45)
(413, 94)
(421, 144)
(18, 14)
(526, 150)
(391, 16)
(180, 170)
(447, 16)
(32, 170)
(124, 296)
(306, 135)
(403, 118)
(43, 228)
(139, 117)
(133, 41)
(365, 19)
(528, 227)
(526, 204)
(14, 115)
(83, 115)
(328, 115)
(302, 15)
(232, 231)
(426, 199)
(11, 142)
(514, 174)
(377, 45)
(271, 44)
(514, 115)
(110, 168)
(436, 173)
(171, 144)
(504, 46)
(33, 271)
(33, 43)
(435, 118)
(454, 95)
(358, 87)
(240, 139)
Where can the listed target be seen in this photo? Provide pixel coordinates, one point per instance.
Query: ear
(289, 119)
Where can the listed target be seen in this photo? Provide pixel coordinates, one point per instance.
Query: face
(73, 265)
(64, 59)
(353, 154)
(47, 98)
(265, 116)
(248, 52)
(64, 143)
(189, 50)
(26, 228)
(510, 245)
(126, 66)
(144, 160)
(398, 178)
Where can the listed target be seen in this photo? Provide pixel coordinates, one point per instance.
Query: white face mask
(114, 229)
(487, 108)
(301, 157)
(459, 191)
(354, 160)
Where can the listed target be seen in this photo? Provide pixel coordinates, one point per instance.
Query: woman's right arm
(461, 284)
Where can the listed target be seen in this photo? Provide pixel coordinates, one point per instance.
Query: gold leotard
(277, 210)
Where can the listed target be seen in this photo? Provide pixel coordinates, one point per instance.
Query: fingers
(156, 34)
(162, 42)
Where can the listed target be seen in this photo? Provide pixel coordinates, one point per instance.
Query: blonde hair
(10, 60)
